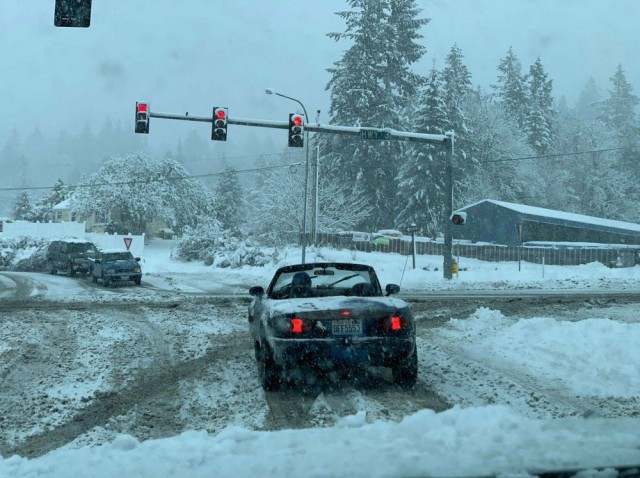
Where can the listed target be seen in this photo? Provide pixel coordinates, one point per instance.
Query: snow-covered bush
(236, 253)
(23, 253)
(209, 243)
(198, 243)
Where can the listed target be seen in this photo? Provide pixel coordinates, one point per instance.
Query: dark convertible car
(330, 317)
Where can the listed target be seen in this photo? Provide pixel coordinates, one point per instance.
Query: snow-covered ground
(530, 393)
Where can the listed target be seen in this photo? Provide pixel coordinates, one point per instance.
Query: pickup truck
(115, 266)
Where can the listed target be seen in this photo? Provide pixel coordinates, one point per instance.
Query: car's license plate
(346, 327)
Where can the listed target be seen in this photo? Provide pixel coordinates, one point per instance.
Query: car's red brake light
(396, 323)
(296, 325)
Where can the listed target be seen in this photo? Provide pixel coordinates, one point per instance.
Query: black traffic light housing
(72, 13)
(219, 125)
(142, 117)
(459, 218)
(296, 130)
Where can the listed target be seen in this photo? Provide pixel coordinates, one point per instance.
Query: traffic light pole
(448, 225)
(387, 134)
(364, 133)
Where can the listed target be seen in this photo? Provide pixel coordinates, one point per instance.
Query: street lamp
(270, 91)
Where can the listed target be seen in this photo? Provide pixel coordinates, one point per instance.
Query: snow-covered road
(84, 374)
(82, 365)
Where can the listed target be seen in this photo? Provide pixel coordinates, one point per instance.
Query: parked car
(383, 236)
(330, 317)
(70, 255)
(390, 233)
(116, 266)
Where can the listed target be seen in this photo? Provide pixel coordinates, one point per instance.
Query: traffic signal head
(72, 13)
(459, 218)
(296, 130)
(219, 126)
(142, 118)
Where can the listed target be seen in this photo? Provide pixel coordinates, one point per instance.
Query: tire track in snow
(148, 398)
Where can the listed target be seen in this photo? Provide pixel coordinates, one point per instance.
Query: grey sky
(192, 55)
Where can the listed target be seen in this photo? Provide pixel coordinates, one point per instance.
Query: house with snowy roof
(508, 223)
(109, 222)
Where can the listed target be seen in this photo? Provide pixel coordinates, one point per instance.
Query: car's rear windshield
(327, 281)
(117, 256)
(80, 247)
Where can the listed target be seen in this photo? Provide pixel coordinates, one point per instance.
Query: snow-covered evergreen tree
(456, 88)
(539, 121)
(404, 24)
(23, 207)
(495, 141)
(59, 193)
(9, 154)
(511, 89)
(618, 110)
(43, 207)
(229, 201)
(370, 85)
(421, 180)
(593, 184)
(589, 101)
(618, 113)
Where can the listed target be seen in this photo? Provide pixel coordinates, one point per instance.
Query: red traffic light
(296, 128)
(459, 218)
(219, 124)
(142, 118)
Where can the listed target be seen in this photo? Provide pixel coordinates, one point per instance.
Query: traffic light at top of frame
(296, 130)
(72, 13)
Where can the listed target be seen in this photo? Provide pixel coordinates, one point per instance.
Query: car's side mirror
(256, 290)
(137, 259)
(392, 289)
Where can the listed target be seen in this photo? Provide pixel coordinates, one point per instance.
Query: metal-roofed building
(508, 223)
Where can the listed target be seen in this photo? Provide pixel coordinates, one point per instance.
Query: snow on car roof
(75, 240)
(312, 265)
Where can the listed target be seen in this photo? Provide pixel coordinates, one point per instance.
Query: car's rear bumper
(328, 353)
(81, 266)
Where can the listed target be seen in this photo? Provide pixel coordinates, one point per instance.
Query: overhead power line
(155, 180)
(545, 156)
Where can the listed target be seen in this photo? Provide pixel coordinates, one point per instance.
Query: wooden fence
(611, 255)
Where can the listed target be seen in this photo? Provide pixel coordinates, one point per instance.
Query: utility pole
(316, 173)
